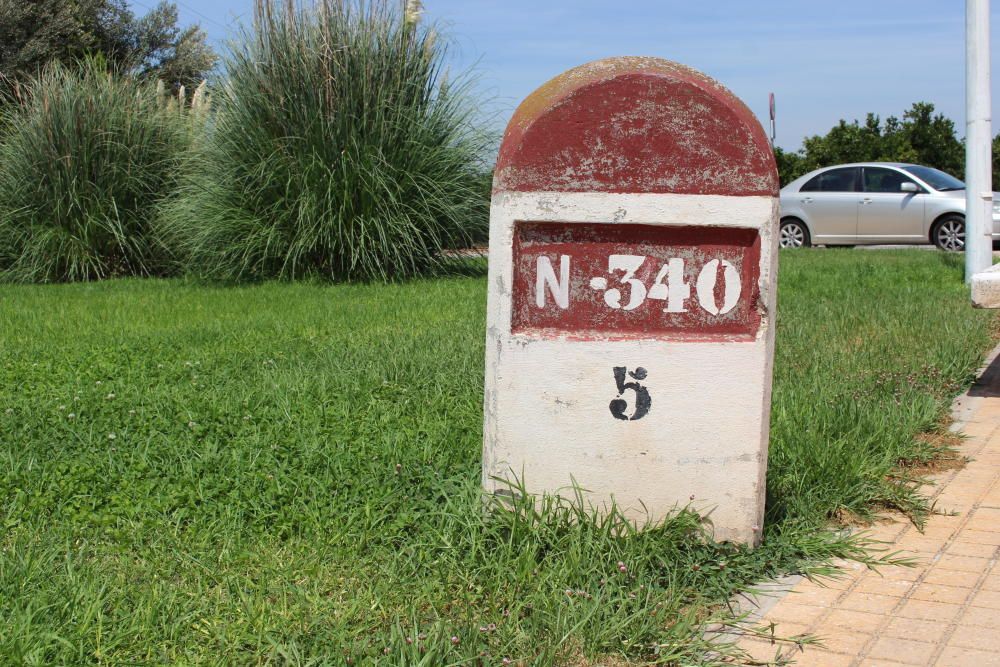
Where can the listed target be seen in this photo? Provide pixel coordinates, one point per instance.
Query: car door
(829, 202)
(887, 214)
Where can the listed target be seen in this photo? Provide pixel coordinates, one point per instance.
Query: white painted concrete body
(979, 137)
(546, 400)
(986, 288)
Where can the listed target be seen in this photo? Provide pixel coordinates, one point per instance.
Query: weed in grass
(85, 159)
(341, 149)
(295, 474)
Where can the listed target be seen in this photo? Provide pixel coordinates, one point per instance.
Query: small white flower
(111, 396)
(246, 418)
(71, 415)
(9, 411)
(111, 436)
(62, 407)
(191, 424)
(99, 383)
(131, 412)
(159, 365)
(412, 12)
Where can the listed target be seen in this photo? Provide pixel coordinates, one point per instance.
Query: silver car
(876, 202)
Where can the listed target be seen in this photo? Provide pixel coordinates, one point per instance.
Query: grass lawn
(289, 473)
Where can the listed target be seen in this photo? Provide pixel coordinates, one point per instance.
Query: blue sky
(823, 60)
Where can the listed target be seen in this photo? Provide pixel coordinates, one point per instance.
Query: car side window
(879, 179)
(835, 180)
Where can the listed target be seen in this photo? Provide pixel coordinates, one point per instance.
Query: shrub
(340, 149)
(85, 158)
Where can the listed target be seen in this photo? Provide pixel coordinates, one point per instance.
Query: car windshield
(936, 178)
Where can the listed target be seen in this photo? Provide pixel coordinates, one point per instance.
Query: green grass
(289, 473)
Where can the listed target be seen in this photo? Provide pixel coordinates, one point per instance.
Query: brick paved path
(945, 611)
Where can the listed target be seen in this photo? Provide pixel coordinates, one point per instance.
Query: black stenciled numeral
(642, 399)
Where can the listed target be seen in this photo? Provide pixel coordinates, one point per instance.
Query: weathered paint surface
(635, 125)
(639, 281)
(655, 402)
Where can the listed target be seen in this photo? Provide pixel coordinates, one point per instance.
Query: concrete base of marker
(986, 288)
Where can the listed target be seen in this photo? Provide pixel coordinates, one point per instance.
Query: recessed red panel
(635, 281)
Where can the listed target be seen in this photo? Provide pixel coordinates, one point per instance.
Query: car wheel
(949, 233)
(793, 234)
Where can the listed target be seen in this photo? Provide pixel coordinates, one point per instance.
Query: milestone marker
(630, 319)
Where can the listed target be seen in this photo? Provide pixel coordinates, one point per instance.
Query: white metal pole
(978, 140)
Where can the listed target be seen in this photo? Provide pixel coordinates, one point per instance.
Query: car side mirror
(908, 186)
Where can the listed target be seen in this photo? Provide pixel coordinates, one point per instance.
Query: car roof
(870, 164)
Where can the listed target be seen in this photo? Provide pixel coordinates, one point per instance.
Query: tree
(177, 57)
(34, 33)
(921, 136)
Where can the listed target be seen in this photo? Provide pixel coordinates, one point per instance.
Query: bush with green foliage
(340, 149)
(921, 137)
(85, 159)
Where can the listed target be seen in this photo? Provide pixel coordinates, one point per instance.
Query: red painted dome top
(635, 125)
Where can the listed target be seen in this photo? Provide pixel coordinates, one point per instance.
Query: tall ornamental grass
(85, 158)
(341, 149)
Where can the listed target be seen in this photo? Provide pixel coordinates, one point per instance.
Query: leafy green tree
(35, 33)
(920, 136)
(175, 56)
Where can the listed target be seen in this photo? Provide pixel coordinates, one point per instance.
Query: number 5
(642, 398)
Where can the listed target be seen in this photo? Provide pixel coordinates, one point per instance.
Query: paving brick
(869, 602)
(984, 525)
(942, 528)
(929, 611)
(874, 583)
(963, 563)
(814, 595)
(911, 628)
(902, 573)
(971, 636)
(819, 658)
(952, 578)
(939, 593)
(857, 621)
(794, 613)
(842, 640)
(906, 651)
(987, 599)
(981, 428)
(981, 537)
(992, 581)
(886, 532)
(956, 656)
(918, 543)
(981, 617)
(976, 550)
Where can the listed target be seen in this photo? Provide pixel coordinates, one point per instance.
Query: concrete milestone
(630, 321)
